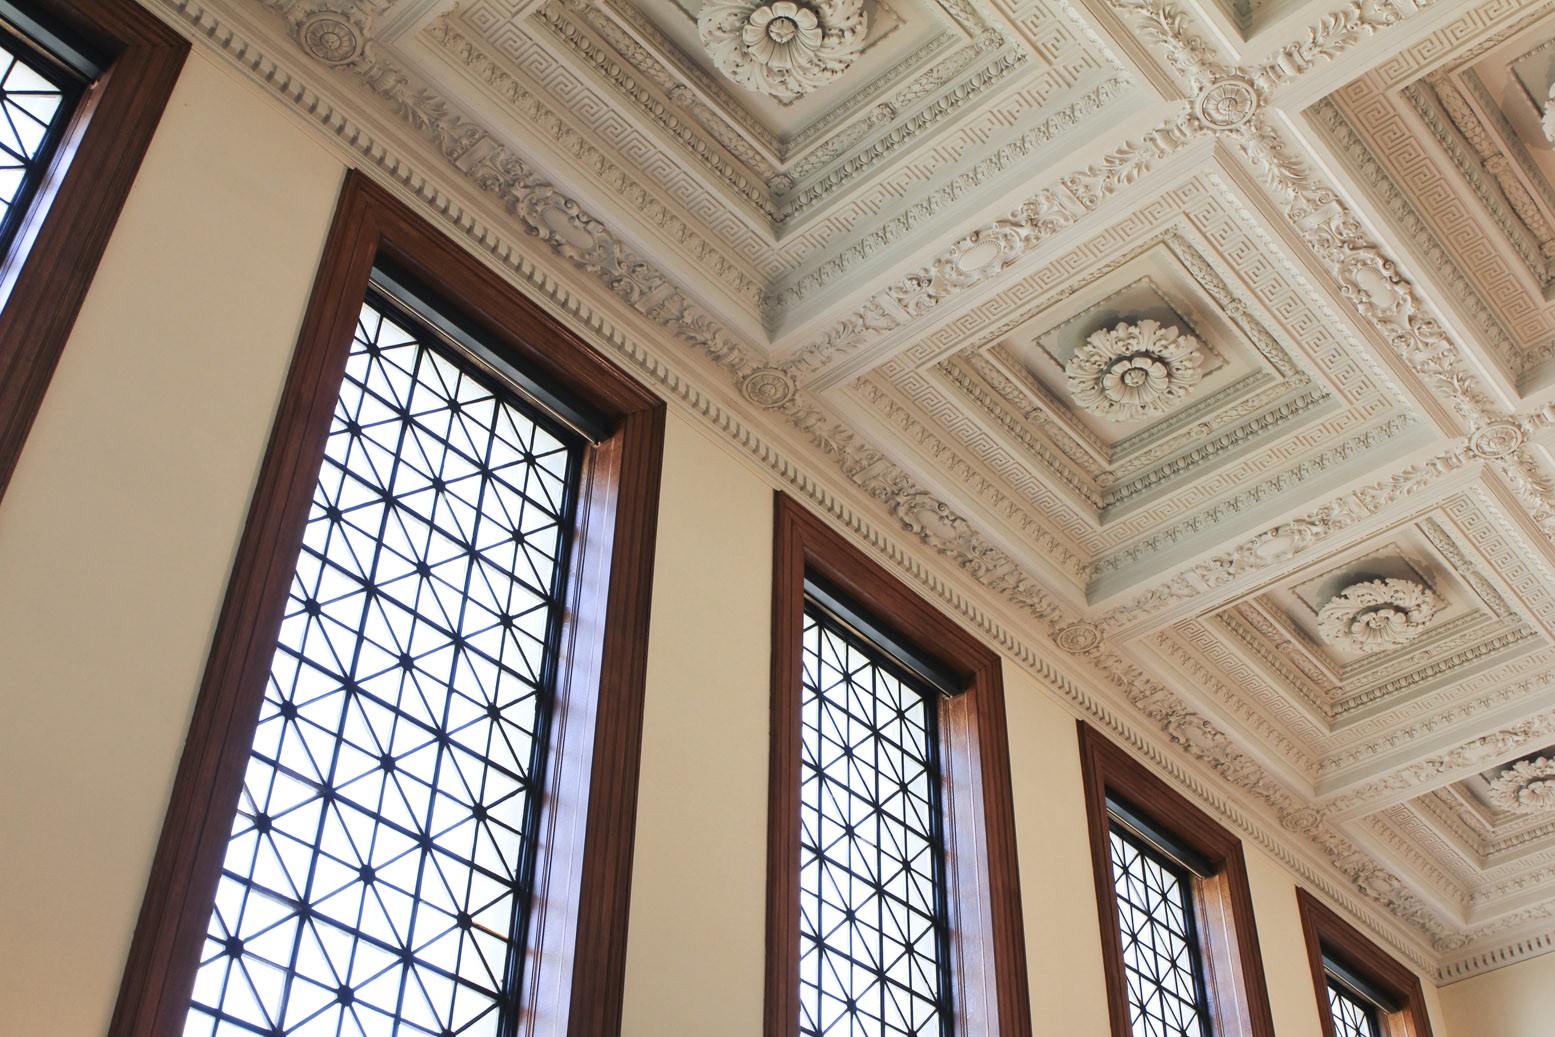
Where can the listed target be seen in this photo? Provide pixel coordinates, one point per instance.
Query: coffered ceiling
(1200, 353)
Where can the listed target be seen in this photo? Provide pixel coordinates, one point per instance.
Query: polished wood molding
(45, 275)
(575, 957)
(1239, 998)
(1329, 936)
(988, 953)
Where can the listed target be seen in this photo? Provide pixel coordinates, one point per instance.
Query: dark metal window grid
(873, 943)
(38, 94)
(377, 876)
(1352, 1016)
(1162, 965)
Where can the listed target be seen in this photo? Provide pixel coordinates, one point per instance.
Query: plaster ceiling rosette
(783, 48)
(1527, 786)
(1134, 370)
(1378, 615)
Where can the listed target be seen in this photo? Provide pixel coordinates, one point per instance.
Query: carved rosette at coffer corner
(1378, 614)
(782, 48)
(1133, 371)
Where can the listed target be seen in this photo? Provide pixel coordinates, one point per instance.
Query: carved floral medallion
(1226, 103)
(1378, 615)
(1133, 371)
(1525, 787)
(781, 47)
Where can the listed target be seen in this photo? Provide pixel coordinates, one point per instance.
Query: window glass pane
(871, 942)
(376, 875)
(1352, 1016)
(36, 99)
(1160, 944)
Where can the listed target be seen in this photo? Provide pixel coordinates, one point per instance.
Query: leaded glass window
(872, 941)
(38, 92)
(1352, 1016)
(375, 880)
(1160, 943)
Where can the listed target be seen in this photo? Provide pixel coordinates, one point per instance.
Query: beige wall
(116, 536)
(1516, 1001)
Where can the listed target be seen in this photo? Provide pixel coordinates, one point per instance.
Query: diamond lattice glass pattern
(33, 109)
(1352, 1017)
(871, 913)
(374, 882)
(1160, 955)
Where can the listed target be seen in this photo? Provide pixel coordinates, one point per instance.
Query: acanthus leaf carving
(781, 47)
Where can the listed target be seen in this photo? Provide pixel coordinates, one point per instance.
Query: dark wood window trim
(1223, 903)
(575, 956)
(45, 274)
(1331, 939)
(988, 956)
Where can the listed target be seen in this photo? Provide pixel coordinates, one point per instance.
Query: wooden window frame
(575, 953)
(45, 274)
(1329, 937)
(1223, 903)
(989, 995)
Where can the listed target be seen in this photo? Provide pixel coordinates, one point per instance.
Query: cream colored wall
(1058, 899)
(115, 540)
(1516, 1001)
(120, 524)
(696, 944)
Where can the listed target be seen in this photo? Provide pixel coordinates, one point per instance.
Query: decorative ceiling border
(1348, 141)
(561, 227)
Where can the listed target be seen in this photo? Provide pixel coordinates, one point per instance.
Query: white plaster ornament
(1526, 787)
(1377, 615)
(1549, 116)
(781, 47)
(1133, 371)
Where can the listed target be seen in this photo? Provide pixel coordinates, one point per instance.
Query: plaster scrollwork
(1548, 120)
(1527, 786)
(1134, 371)
(1377, 615)
(783, 48)
(1046, 213)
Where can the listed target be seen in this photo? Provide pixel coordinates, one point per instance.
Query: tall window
(1178, 939)
(82, 85)
(378, 866)
(1362, 991)
(872, 928)
(444, 579)
(892, 878)
(1160, 938)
